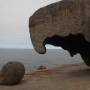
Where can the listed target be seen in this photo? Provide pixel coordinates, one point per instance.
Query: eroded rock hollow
(66, 24)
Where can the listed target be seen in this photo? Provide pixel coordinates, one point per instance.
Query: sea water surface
(32, 60)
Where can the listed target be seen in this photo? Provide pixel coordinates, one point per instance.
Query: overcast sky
(14, 16)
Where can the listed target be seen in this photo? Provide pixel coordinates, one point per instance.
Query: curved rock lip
(62, 19)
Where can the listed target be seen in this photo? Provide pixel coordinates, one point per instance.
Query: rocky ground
(66, 77)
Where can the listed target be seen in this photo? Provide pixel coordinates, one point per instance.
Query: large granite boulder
(12, 73)
(65, 23)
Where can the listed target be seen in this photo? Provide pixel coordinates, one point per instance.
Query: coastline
(31, 59)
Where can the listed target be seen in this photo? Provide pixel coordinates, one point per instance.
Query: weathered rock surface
(65, 23)
(12, 73)
(41, 67)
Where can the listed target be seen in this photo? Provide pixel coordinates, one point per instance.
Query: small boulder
(41, 68)
(12, 73)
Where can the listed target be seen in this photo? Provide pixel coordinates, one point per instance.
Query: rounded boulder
(12, 73)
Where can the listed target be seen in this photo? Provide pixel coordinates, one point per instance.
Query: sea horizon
(32, 60)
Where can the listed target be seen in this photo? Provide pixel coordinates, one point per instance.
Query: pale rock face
(60, 24)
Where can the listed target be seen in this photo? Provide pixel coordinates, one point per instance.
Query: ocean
(32, 60)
